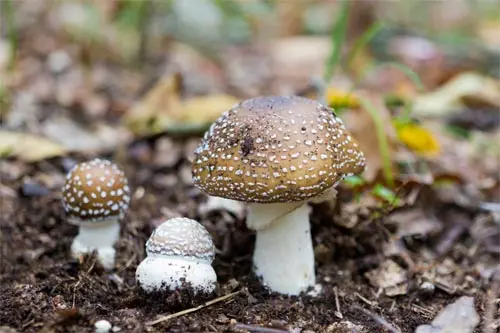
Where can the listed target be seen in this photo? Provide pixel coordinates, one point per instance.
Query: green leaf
(354, 181)
(385, 193)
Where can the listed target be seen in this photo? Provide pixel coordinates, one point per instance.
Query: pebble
(457, 317)
(58, 61)
(102, 326)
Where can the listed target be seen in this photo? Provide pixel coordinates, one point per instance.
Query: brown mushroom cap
(275, 149)
(95, 191)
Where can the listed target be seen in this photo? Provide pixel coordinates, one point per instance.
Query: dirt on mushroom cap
(275, 149)
(95, 191)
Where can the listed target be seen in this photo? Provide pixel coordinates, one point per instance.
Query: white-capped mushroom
(95, 197)
(278, 153)
(179, 256)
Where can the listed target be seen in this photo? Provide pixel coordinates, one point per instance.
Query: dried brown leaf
(162, 109)
(28, 147)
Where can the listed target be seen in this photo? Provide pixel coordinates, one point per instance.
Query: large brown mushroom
(277, 153)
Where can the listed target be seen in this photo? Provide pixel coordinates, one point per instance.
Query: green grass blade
(382, 141)
(414, 78)
(12, 34)
(363, 40)
(337, 38)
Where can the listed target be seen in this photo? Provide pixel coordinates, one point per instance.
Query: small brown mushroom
(277, 153)
(95, 197)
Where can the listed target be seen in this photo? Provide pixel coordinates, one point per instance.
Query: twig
(74, 292)
(338, 313)
(489, 315)
(258, 329)
(379, 320)
(370, 303)
(91, 268)
(199, 307)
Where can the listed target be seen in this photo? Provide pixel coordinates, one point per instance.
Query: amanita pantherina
(179, 256)
(95, 197)
(277, 153)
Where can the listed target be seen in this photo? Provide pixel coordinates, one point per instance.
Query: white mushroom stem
(100, 236)
(217, 203)
(159, 272)
(283, 255)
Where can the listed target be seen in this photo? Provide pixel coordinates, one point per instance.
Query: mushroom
(95, 197)
(277, 153)
(179, 256)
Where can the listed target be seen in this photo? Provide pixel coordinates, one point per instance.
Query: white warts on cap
(181, 237)
(275, 149)
(179, 256)
(94, 191)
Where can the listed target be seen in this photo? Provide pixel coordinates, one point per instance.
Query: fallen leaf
(99, 138)
(414, 222)
(467, 89)
(162, 109)
(28, 147)
(204, 110)
(390, 277)
(151, 114)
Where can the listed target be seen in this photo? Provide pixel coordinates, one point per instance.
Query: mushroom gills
(284, 255)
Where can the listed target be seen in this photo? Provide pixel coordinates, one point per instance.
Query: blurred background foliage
(141, 68)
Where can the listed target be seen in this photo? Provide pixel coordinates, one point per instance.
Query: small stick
(74, 292)
(199, 307)
(370, 303)
(379, 320)
(258, 329)
(338, 313)
(489, 316)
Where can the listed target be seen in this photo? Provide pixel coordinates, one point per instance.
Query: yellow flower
(417, 138)
(339, 99)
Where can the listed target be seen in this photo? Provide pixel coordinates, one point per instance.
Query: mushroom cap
(275, 149)
(182, 237)
(95, 191)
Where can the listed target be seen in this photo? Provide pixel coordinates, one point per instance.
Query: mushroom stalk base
(168, 273)
(284, 255)
(100, 237)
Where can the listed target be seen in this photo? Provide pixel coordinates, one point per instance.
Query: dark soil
(43, 290)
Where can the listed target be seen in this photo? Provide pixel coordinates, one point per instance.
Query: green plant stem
(337, 39)
(145, 10)
(363, 40)
(382, 141)
(8, 18)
